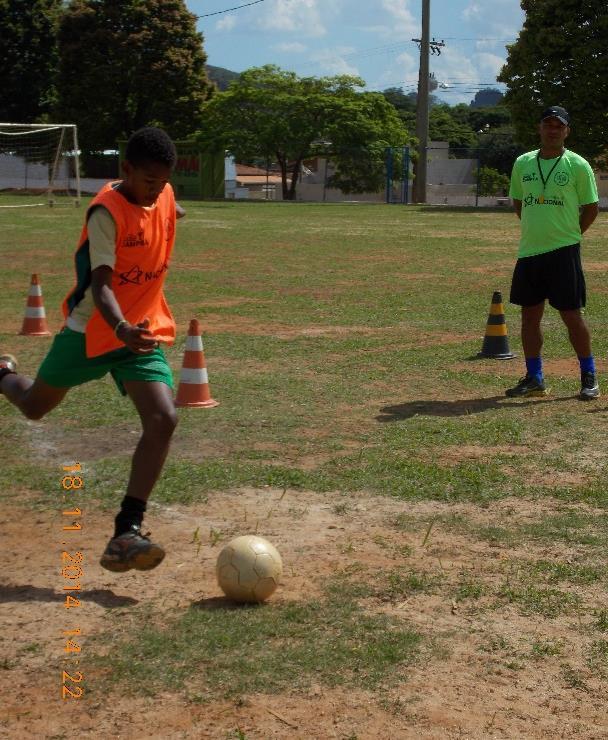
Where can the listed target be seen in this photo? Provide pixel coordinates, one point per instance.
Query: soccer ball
(249, 569)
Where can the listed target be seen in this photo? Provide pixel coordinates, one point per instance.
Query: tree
(481, 119)
(406, 104)
(498, 149)
(444, 127)
(28, 58)
(491, 182)
(361, 131)
(487, 98)
(126, 64)
(560, 59)
(274, 114)
(401, 101)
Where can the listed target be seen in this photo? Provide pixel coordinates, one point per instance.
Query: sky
(368, 38)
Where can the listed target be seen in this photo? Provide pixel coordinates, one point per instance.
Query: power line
(386, 49)
(360, 54)
(406, 85)
(458, 38)
(229, 10)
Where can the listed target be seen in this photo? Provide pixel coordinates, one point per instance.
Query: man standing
(555, 196)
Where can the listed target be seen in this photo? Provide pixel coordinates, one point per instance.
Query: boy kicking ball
(116, 317)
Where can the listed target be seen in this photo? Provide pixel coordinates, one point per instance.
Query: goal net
(41, 160)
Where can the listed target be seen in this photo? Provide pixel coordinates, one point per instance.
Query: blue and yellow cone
(496, 342)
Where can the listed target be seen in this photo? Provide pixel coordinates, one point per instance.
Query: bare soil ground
(479, 681)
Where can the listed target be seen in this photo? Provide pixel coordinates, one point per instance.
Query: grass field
(445, 547)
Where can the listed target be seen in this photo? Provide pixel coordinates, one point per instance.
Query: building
(254, 183)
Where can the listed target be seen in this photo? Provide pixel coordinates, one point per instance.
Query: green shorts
(67, 364)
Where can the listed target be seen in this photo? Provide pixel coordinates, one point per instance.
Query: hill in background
(222, 77)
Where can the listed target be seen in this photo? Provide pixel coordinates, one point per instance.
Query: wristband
(122, 322)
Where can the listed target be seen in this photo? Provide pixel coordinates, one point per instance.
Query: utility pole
(422, 107)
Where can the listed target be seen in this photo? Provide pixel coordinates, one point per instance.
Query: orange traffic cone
(34, 322)
(193, 387)
(496, 341)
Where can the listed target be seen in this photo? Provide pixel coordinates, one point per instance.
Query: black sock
(131, 512)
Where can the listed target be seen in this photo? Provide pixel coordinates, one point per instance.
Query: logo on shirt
(132, 277)
(136, 276)
(530, 177)
(531, 200)
(135, 240)
(154, 275)
(561, 178)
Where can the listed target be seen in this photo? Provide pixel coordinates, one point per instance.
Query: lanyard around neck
(545, 180)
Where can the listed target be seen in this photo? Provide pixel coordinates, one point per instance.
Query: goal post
(40, 159)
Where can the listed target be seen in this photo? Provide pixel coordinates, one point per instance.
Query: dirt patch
(455, 454)
(225, 303)
(481, 680)
(218, 323)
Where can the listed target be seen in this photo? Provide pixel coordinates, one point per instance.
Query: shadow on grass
(461, 407)
(103, 597)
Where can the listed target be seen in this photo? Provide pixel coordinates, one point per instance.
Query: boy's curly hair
(150, 144)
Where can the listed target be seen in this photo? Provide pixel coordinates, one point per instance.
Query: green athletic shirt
(550, 219)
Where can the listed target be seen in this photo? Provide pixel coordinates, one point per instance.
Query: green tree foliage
(402, 102)
(406, 104)
(495, 142)
(487, 98)
(443, 126)
(492, 182)
(486, 133)
(363, 128)
(560, 59)
(481, 119)
(128, 63)
(271, 113)
(499, 149)
(28, 58)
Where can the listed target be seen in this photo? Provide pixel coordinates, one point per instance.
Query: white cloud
(472, 11)
(490, 63)
(303, 17)
(332, 61)
(290, 47)
(377, 30)
(405, 23)
(226, 24)
(408, 62)
(489, 44)
(499, 19)
(455, 68)
(401, 72)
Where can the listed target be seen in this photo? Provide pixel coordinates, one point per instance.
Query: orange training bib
(144, 242)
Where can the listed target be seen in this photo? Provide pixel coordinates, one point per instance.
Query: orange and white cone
(34, 322)
(193, 389)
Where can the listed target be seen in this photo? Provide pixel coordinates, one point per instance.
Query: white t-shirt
(102, 251)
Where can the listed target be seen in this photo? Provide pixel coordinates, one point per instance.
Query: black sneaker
(527, 387)
(131, 550)
(589, 387)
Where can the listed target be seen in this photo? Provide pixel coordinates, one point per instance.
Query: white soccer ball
(249, 569)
